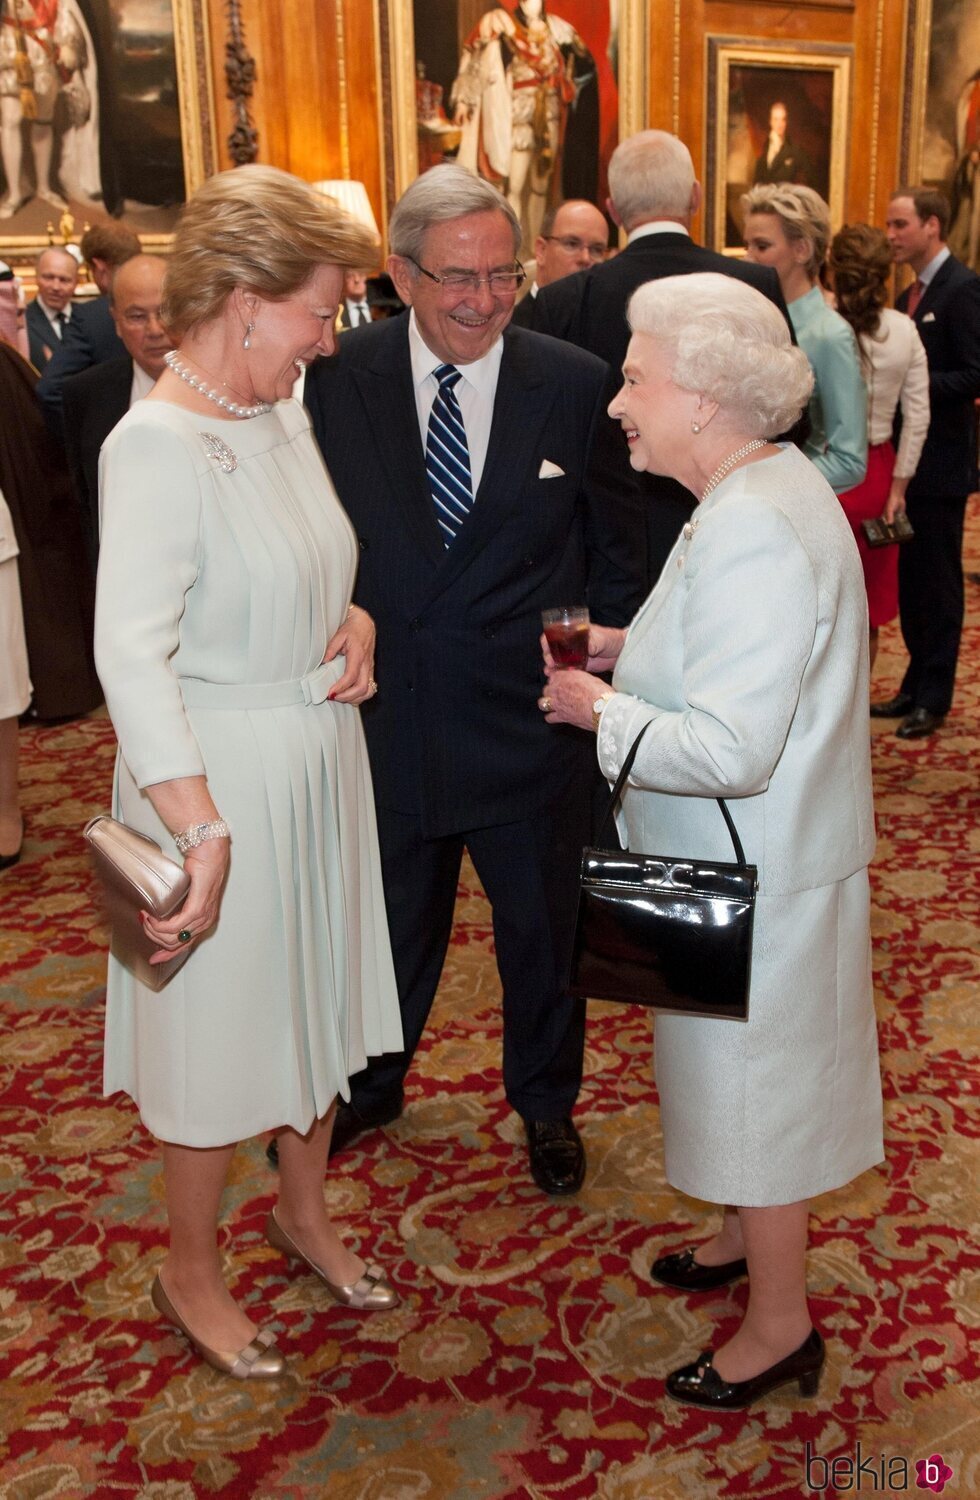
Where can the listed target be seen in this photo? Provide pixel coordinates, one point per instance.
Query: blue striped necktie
(447, 456)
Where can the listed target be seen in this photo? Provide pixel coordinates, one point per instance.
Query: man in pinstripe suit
(455, 569)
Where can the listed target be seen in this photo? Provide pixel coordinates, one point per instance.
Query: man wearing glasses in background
(573, 237)
(465, 453)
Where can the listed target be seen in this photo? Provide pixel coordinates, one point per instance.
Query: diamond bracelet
(199, 833)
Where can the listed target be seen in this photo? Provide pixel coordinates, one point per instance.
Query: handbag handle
(617, 791)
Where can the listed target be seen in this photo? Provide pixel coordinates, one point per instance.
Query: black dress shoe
(7, 861)
(701, 1385)
(680, 1269)
(557, 1156)
(919, 724)
(892, 708)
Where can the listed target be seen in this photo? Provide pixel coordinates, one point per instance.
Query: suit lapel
(386, 388)
(521, 405)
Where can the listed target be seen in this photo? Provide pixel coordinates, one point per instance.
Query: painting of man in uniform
(951, 143)
(89, 118)
(524, 94)
(779, 129)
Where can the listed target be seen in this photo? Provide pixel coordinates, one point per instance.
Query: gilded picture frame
(160, 76)
(775, 112)
(940, 144)
(417, 120)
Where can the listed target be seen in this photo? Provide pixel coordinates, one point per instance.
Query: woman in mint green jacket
(788, 227)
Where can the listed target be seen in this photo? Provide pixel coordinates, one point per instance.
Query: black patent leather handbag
(665, 931)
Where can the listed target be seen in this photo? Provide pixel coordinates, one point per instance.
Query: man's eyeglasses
(574, 245)
(503, 283)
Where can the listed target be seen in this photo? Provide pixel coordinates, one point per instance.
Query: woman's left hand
(355, 641)
(569, 695)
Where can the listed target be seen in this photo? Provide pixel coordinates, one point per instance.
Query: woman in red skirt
(894, 366)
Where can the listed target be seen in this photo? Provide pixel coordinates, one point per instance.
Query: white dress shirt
(53, 317)
(354, 312)
(657, 226)
(142, 384)
(475, 394)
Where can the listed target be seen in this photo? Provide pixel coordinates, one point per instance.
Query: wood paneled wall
(317, 107)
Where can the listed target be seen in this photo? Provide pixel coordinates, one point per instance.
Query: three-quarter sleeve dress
(226, 565)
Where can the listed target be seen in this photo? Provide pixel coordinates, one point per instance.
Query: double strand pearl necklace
(172, 361)
(730, 462)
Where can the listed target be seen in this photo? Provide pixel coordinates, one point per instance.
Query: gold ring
(546, 705)
(372, 686)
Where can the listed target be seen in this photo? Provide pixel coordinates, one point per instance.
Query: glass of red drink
(567, 632)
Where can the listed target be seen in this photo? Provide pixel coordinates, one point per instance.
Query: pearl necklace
(730, 462)
(172, 362)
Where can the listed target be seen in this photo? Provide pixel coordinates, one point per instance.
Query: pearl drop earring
(247, 340)
(695, 426)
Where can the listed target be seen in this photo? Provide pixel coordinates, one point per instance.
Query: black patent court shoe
(681, 1270)
(701, 1385)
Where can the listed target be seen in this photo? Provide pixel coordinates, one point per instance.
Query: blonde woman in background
(787, 226)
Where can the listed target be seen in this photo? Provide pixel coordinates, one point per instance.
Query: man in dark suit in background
(91, 336)
(49, 315)
(94, 401)
(463, 451)
(944, 304)
(573, 237)
(654, 196)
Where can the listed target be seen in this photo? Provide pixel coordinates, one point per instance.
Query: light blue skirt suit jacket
(749, 660)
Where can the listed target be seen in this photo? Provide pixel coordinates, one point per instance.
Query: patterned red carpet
(528, 1354)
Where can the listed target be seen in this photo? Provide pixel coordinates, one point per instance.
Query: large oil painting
(776, 113)
(104, 111)
(946, 153)
(534, 96)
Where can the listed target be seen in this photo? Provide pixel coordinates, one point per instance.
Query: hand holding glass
(567, 634)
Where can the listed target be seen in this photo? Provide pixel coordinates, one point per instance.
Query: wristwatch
(597, 708)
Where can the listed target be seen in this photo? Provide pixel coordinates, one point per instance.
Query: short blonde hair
(802, 212)
(260, 229)
(728, 342)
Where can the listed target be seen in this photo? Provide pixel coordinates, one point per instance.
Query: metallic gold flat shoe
(371, 1294)
(259, 1360)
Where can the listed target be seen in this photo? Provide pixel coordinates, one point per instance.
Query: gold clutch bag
(136, 876)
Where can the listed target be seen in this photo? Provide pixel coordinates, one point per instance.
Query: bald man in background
(49, 315)
(573, 237)
(95, 400)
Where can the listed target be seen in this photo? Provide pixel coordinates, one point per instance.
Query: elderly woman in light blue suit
(749, 663)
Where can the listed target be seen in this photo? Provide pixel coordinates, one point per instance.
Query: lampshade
(352, 197)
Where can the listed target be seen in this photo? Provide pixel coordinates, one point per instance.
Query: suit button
(529, 562)
(489, 632)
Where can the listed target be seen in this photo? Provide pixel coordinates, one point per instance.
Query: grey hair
(729, 343)
(803, 214)
(440, 194)
(651, 176)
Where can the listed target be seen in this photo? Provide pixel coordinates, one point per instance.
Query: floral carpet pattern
(528, 1354)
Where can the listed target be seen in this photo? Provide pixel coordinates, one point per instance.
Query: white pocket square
(929, 318)
(548, 470)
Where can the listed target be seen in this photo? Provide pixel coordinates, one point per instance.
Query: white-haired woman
(748, 662)
(233, 664)
(787, 226)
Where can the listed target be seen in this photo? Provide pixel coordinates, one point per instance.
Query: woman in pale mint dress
(748, 663)
(788, 227)
(233, 666)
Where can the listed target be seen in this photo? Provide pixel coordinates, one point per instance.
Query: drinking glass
(567, 632)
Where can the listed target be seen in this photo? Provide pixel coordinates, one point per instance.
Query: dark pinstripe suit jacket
(455, 735)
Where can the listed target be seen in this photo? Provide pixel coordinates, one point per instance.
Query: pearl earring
(247, 340)
(695, 426)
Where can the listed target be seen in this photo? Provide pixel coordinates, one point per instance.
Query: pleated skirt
(294, 988)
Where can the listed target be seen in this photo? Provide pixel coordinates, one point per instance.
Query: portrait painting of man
(950, 147)
(778, 130)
